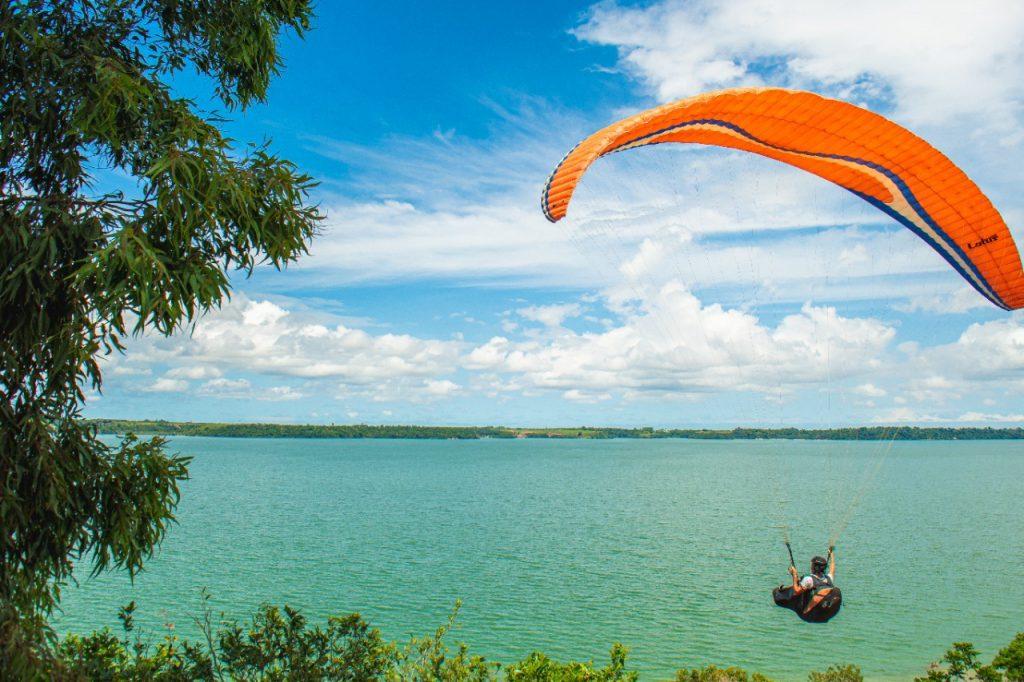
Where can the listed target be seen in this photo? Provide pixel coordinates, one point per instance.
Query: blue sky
(686, 287)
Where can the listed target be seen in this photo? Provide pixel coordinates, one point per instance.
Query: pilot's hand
(792, 571)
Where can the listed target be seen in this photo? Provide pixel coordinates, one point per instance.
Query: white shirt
(808, 582)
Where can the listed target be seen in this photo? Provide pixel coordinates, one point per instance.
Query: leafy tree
(837, 673)
(538, 667)
(713, 673)
(104, 656)
(84, 88)
(429, 658)
(281, 646)
(962, 663)
(1010, 659)
(961, 657)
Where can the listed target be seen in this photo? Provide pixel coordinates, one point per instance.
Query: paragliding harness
(816, 605)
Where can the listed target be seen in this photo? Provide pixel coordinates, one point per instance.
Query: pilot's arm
(797, 588)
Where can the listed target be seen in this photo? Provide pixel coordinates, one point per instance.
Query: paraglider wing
(876, 159)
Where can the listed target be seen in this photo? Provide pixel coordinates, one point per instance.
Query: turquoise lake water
(670, 547)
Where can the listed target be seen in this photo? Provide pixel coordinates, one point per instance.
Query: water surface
(668, 546)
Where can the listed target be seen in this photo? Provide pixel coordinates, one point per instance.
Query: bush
(835, 673)
(280, 644)
(714, 674)
(537, 667)
(962, 663)
(1010, 659)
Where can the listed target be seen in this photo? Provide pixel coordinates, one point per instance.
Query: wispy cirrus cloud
(450, 206)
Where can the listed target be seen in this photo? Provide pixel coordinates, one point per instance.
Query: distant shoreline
(363, 431)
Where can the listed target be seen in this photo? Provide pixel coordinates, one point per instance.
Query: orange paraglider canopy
(876, 159)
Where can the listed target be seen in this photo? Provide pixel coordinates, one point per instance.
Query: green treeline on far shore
(883, 433)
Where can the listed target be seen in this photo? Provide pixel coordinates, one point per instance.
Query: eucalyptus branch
(120, 205)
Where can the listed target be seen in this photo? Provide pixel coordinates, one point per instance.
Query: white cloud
(262, 313)
(120, 370)
(986, 352)
(669, 343)
(960, 300)
(194, 372)
(933, 389)
(579, 396)
(551, 315)
(264, 338)
(659, 342)
(165, 385)
(989, 418)
(506, 240)
(280, 393)
(441, 388)
(870, 390)
(935, 59)
(985, 360)
(243, 389)
(905, 415)
(226, 387)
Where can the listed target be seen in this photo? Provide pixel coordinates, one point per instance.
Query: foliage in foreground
(280, 644)
(962, 662)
